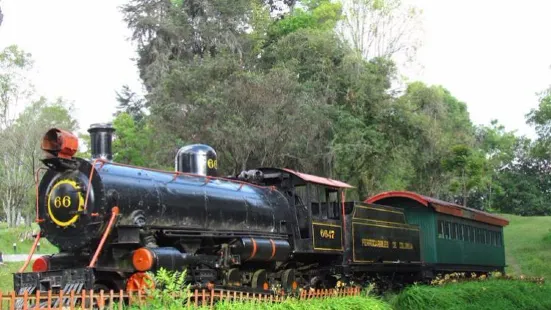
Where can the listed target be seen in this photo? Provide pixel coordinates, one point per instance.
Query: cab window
(334, 202)
(325, 202)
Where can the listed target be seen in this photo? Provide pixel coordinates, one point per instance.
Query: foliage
(135, 143)
(382, 28)
(320, 15)
(14, 87)
(167, 290)
(457, 277)
(130, 103)
(467, 167)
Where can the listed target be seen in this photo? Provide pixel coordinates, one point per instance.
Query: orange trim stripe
(273, 249)
(253, 252)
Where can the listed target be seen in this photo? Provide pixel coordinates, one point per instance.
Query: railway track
(190, 299)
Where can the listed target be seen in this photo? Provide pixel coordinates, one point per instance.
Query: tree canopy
(308, 85)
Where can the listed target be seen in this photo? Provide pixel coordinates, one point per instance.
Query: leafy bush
(456, 277)
(167, 290)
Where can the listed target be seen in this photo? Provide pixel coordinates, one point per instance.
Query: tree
(467, 167)
(130, 103)
(425, 123)
(14, 86)
(137, 143)
(320, 15)
(524, 183)
(498, 147)
(249, 109)
(381, 28)
(540, 118)
(21, 153)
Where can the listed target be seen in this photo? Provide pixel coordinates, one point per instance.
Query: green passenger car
(453, 237)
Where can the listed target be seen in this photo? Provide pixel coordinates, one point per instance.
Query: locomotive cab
(317, 216)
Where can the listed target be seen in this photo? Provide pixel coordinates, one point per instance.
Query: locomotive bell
(101, 137)
(198, 159)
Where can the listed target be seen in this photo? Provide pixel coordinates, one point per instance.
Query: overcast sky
(493, 55)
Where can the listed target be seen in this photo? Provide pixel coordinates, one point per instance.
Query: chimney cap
(101, 126)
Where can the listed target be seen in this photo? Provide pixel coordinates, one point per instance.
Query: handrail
(177, 173)
(114, 213)
(31, 252)
(90, 181)
(38, 219)
(343, 197)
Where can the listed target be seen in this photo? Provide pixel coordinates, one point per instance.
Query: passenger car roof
(441, 206)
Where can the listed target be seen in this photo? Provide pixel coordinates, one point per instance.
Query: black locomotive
(263, 228)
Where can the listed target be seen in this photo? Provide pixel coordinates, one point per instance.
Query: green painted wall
(466, 252)
(425, 219)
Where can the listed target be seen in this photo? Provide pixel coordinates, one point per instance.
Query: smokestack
(101, 136)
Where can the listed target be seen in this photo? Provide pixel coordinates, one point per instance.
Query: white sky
(493, 55)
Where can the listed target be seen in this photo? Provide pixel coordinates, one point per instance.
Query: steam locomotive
(260, 229)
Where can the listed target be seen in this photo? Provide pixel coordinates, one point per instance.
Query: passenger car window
(440, 229)
(454, 231)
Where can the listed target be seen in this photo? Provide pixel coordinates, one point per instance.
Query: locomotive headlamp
(59, 143)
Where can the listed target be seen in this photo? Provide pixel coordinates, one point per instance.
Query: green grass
(528, 246)
(10, 235)
(476, 295)
(344, 303)
(6, 274)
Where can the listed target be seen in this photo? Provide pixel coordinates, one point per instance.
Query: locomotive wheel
(233, 277)
(323, 282)
(288, 280)
(139, 281)
(260, 280)
(330, 282)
